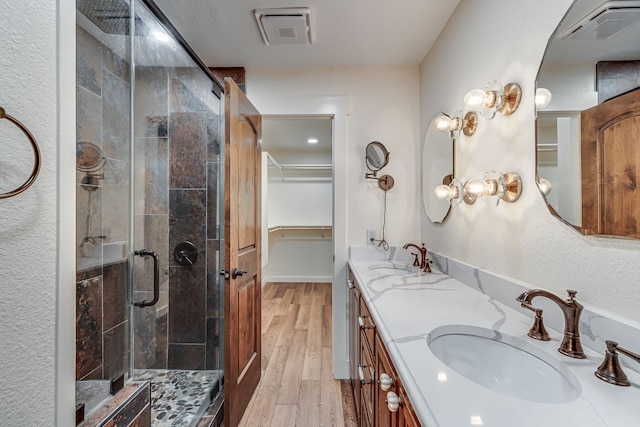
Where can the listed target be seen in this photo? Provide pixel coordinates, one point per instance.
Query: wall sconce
(495, 187)
(542, 98)
(453, 192)
(544, 185)
(494, 98)
(456, 123)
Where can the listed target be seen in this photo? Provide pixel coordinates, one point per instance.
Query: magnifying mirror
(377, 157)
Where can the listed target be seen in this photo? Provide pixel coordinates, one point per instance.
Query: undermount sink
(504, 364)
(393, 269)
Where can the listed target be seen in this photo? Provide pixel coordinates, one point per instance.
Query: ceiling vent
(605, 22)
(286, 26)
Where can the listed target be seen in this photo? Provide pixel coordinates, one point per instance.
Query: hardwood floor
(297, 386)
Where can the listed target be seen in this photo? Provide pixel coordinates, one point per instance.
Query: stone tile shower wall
(102, 323)
(177, 132)
(194, 300)
(177, 137)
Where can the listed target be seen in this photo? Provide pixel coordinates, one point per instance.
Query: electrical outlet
(371, 236)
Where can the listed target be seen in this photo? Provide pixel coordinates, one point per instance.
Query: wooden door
(610, 139)
(242, 238)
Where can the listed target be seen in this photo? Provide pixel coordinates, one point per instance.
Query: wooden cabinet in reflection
(610, 137)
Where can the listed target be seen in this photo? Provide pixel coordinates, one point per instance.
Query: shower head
(111, 16)
(88, 157)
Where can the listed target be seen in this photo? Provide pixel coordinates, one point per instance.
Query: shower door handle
(156, 278)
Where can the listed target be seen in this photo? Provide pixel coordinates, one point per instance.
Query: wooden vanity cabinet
(388, 381)
(369, 359)
(354, 339)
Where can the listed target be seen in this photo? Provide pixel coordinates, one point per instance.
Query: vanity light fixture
(456, 123)
(542, 98)
(494, 98)
(495, 187)
(544, 185)
(453, 192)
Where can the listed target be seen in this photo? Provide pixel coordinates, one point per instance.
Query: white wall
(521, 240)
(384, 107)
(33, 371)
(304, 255)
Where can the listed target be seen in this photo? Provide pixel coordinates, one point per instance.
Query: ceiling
(622, 46)
(346, 33)
(290, 134)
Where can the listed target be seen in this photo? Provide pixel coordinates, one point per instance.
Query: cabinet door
(406, 415)
(386, 382)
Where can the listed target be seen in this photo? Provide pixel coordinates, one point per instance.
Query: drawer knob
(385, 381)
(393, 401)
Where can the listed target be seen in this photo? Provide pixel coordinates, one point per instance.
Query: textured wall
(28, 221)
(522, 240)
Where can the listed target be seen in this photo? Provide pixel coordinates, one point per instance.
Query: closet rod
(276, 164)
(283, 228)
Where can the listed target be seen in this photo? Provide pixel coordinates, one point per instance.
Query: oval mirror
(437, 168)
(588, 148)
(377, 156)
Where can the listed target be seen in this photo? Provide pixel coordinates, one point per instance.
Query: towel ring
(36, 155)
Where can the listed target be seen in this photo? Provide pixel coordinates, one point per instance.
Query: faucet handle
(610, 369)
(571, 293)
(537, 331)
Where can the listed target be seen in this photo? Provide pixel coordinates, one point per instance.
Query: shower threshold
(178, 397)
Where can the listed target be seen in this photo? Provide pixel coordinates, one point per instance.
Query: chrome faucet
(571, 309)
(424, 262)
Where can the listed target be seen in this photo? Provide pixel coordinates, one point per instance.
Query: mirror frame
(373, 168)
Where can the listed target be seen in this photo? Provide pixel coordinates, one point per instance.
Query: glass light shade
(442, 192)
(543, 97)
(474, 188)
(493, 100)
(456, 193)
(494, 188)
(451, 192)
(544, 185)
(474, 99)
(443, 123)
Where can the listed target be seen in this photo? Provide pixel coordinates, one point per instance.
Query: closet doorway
(297, 198)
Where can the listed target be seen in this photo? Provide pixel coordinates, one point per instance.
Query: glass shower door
(176, 343)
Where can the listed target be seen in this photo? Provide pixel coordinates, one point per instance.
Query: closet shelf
(303, 171)
(324, 231)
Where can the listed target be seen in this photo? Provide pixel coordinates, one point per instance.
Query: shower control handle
(235, 273)
(185, 253)
(156, 278)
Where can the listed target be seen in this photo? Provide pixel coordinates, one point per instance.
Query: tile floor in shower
(179, 398)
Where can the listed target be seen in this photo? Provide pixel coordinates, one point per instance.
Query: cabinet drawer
(366, 325)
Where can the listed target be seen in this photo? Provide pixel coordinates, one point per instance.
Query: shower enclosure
(149, 224)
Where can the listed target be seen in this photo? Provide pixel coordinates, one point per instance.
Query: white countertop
(407, 308)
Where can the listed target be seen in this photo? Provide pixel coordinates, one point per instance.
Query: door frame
(339, 108)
